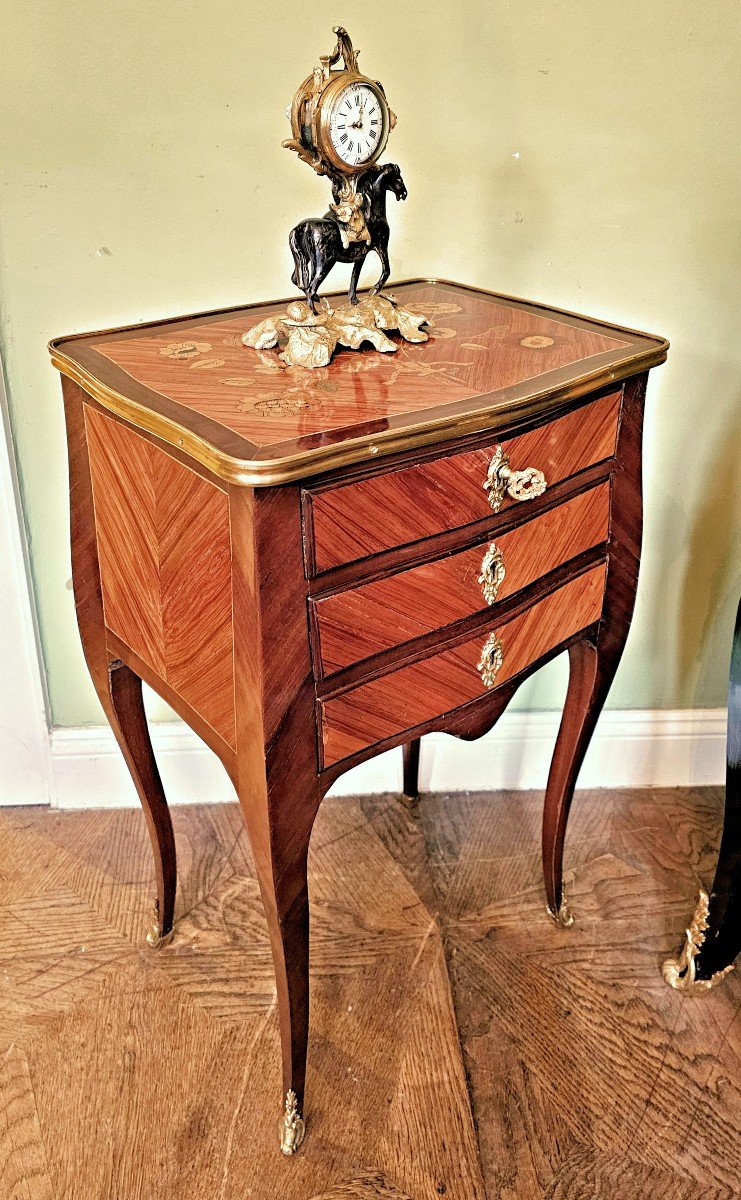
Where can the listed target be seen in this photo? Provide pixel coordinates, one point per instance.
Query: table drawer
(398, 507)
(411, 696)
(352, 625)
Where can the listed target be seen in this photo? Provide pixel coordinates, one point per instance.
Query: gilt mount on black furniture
(713, 940)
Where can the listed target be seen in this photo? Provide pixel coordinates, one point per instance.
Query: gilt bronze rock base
(310, 339)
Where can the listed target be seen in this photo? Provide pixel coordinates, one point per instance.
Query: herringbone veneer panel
(165, 564)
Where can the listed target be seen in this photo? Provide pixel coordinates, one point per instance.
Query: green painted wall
(583, 154)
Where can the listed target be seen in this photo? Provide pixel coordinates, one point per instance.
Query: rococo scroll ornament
(502, 481)
(340, 123)
(491, 661)
(492, 574)
(681, 972)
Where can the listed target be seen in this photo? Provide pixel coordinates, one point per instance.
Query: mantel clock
(340, 121)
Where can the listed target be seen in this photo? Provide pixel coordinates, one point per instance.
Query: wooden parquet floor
(462, 1046)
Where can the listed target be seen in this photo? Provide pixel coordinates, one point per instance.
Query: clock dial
(358, 124)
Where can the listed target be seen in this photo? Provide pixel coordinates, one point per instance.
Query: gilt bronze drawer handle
(492, 573)
(520, 485)
(492, 657)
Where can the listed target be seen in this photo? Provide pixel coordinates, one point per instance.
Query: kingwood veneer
(296, 560)
(357, 622)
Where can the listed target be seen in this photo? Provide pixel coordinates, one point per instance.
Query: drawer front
(413, 695)
(359, 622)
(392, 509)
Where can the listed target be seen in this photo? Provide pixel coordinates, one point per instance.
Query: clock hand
(361, 111)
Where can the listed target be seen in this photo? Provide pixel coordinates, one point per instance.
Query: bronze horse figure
(316, 244)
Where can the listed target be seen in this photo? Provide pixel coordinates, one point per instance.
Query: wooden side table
(313, 567)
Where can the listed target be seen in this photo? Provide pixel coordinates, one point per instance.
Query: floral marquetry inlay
(207, 364)
(536, 341)
(198, 373)
(181, 350)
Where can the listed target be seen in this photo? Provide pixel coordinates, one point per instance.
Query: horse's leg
(355, 277)
(321, 272)
(302, 257)
(382, 250)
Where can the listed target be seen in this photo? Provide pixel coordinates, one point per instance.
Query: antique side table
(312, 567)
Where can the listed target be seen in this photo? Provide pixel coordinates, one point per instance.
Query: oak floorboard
(462, 1045)
(23, 1165)
(587, 1175)
(371, 1186)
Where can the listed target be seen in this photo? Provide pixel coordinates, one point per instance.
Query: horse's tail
(301, 249)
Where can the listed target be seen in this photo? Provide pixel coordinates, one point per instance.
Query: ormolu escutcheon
(291, 1128)
(492, 657)
(501, 480)
(492, 573)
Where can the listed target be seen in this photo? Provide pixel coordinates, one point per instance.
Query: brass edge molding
(308, 463)
(564, 312)
(433, 280)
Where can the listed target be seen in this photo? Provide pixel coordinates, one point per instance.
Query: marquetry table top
(490, 360)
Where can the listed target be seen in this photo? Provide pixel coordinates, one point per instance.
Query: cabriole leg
(591, 672)
(129, 722)
(723, 940)
(594, 659)
(411, 770)
(581, 710)
(278, 783)
(119, 689)
(279, 824)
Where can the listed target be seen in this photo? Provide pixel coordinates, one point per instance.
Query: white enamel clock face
(357, 123)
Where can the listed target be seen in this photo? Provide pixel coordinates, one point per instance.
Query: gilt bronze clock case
(315, 99)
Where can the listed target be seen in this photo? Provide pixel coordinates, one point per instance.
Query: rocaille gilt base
(713, 940)
(312, 567)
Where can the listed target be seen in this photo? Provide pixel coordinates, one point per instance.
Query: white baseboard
(660, 748)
